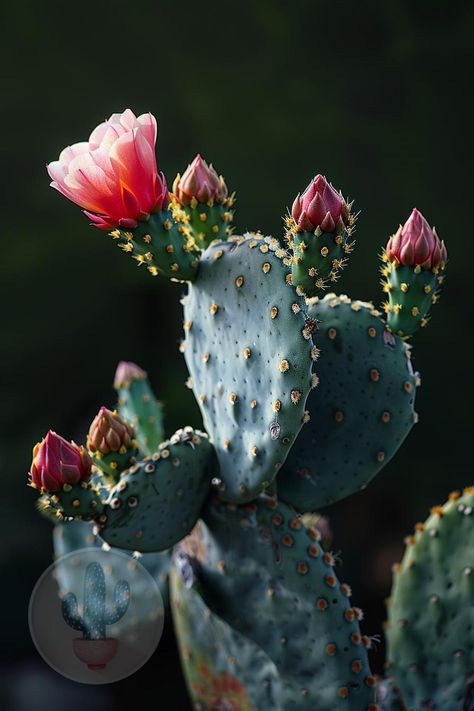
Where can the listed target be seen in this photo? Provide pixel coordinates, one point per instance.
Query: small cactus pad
(222, 668)
(158, 500)
(206, 222)
(162, 246)
(431, 610)
(248, 348)
(266, 574)
(360, 413)
(137, 404)
(73, 501)
(411, 292)
(75, 535)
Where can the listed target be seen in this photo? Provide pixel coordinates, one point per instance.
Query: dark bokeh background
(378, 96)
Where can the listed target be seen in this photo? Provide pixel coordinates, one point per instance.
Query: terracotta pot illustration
(96, 653)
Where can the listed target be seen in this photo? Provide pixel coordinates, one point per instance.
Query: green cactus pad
(411, 292)
(220, 665)
(361, 412)
(265, 574)
(431, 610)
(158, 501)
(248, 348)
(162, 246)
(76, 535)
(137, 404)
(113, 463)
(77, 501)
(318, 257)
(207, 222)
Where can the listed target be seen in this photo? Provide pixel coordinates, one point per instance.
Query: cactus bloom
(415, 243)
(109, 433)
(319, 206)
(126, 373)
(57, 462)
(201, 182)
(113, 176)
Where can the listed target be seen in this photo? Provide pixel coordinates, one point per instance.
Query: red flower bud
(109, 433)
(201, 182)
(415, 243)
(319, 206)
(57, 462)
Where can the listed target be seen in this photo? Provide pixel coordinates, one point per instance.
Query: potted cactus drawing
(94, 648)
(305, 395)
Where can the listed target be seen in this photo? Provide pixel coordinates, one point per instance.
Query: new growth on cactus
(304, 396)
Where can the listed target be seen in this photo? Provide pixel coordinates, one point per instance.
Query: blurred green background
(377, 96)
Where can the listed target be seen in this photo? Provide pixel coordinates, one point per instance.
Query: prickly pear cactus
(262, 619)
(362, 410)
(431, 610)
(249, 351)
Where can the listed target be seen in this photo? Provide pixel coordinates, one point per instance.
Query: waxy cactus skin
(304, 397)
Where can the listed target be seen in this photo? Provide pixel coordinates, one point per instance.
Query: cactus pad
(431, 610)
(137, 404)
(265, 574)
(361, 412)
(158, 500)
(248, 348)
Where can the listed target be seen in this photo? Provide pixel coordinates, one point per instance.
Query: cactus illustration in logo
(94, 648)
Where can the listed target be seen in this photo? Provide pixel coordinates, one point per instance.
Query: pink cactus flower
(109, 433)
(415, 243)
(113, 176)
(201, 182)
(126, 373)
(319, 206)
(57, 462)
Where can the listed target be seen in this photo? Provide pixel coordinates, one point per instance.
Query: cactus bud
(126, 373)
(138, 405)
(201, 201)
(201, 182)
(416, 243)
(319, 206)
(57, 462)
(318, 232)
(413, 264)
(111, 443)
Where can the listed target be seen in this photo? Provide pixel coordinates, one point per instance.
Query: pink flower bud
(319, 206)
(113, 176)
(415, 243)
(57, 462)
(201, 182)
(109, 433)
(127, 372)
